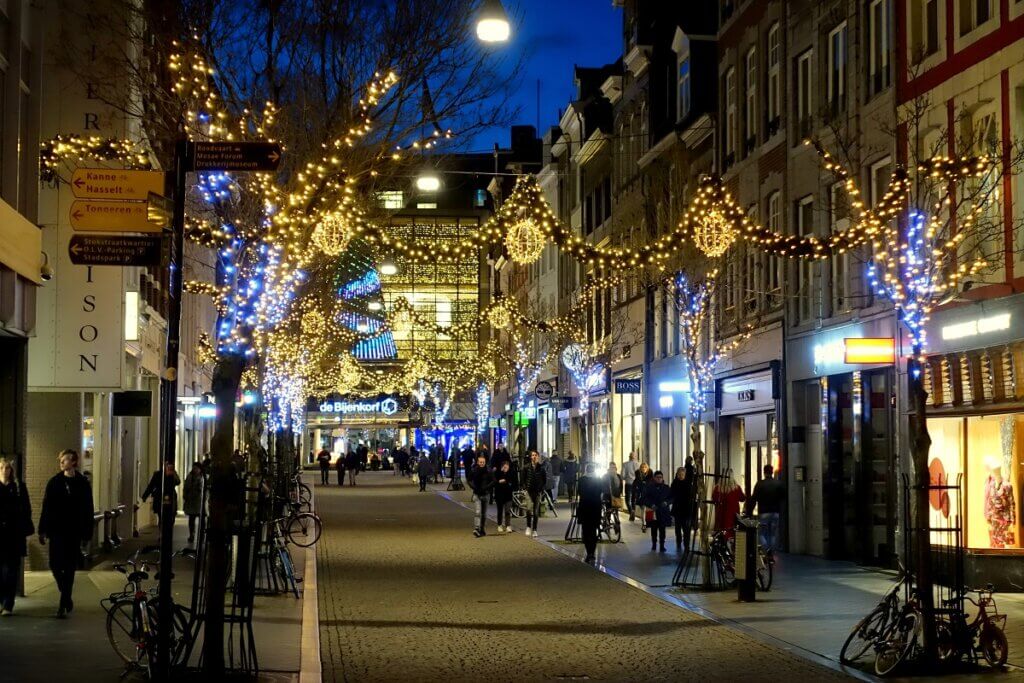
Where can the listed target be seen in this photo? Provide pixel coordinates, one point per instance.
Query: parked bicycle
(133, 619)
(301, 528)
(723, 556)
(891, 630)
(611, 527)
(869, 630)
(984, 636)
(282, 563)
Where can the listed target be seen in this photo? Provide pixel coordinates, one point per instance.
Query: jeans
(9, 569)
(504, 513)
(555, 481)
(590, 536)
(192, 519)
(533, 509)
(480, 514)
(64, 557)
(684, 529)
(324, 475)
(423, 482)
(352, 477)
(769, 530)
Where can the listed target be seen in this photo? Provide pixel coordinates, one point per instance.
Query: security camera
(45, 271)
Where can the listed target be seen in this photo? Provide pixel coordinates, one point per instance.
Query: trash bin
(746, 559)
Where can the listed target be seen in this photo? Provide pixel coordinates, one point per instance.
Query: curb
(310, 665)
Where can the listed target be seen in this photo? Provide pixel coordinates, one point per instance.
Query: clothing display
(1000, 512)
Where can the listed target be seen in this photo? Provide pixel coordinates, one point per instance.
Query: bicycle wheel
(863, 636)
(304, 529)
(899, 641)
(993, 645)
(287, 570)
(765, 573)
(616, 528)
(304, 494)
(518, 505)
(180, 632)
(946, 646)
(125, 632)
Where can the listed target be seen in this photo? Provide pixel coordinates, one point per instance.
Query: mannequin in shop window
(1000, 512)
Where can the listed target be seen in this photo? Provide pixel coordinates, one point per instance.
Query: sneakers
(5, 612)
(502, 529)
(476, 532)
(533, 532)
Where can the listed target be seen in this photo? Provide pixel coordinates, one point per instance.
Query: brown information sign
(235, 156)
(114, 250)
(104, 183)
(93, 215)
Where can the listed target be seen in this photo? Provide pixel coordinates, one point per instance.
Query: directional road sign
(102, 183)
(235, 156)
(114, 250)
(91, 215)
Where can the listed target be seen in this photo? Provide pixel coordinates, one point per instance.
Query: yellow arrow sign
(102, 183)
(88, 215)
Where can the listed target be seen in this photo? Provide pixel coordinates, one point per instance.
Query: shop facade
(974, 377)
(667, 401)
(627, 415)
(842, 471)
(748, 425)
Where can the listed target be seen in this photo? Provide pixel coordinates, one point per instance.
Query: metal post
(169, 396)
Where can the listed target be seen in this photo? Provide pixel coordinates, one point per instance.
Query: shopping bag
(649, 515)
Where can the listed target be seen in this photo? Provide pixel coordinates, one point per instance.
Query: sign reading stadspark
(387, 406)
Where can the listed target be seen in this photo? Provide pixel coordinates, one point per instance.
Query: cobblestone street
(407, 593)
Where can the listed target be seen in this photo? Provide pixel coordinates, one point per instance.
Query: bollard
(746, 559)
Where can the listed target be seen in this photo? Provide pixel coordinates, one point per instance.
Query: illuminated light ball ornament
(333, 234)
(525, 241)
(349, 373)
(500, 317)
(713, 233)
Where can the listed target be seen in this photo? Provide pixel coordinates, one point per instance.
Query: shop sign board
(544, 391)
(977, 327)
(627, 386)
(869, 350)
(745, 395)
(386, 406)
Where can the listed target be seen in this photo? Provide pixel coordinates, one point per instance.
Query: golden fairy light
(333, 234)
(499, 316)
(713, 234)
(525, 241)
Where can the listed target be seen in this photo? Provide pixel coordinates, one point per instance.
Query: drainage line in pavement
(801, 652)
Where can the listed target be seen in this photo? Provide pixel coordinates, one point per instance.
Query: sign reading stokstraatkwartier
(235, 156)
(134, 250)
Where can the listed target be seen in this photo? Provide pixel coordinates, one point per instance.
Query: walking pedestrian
(555, 468)
(614, 485)
(324, 459)
(481, 481)
(425, 470)
(640, 481)
(499, 456)
(534, 484)
(339, 470)
(153, 490)
(682, 503)
(657, 501)
(66, 523)
(570, 472)
(505, 485)
(768, 496)
(593, 492)
(193, 498)
(352, 467)
(629, 476)
(15, 527)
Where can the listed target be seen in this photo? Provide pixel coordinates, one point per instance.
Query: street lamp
(492, 25)
(428, 181)
(388, 267)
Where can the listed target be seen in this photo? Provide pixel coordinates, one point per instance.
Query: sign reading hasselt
(387, 406)
(973, 328)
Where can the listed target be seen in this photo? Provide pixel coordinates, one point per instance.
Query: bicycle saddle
(138, 576)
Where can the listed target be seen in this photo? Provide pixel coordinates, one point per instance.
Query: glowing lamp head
(388, 268)
(428, 182)
(374, 305)
(492, 24)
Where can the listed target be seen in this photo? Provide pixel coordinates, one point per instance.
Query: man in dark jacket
(555, 469)
(66, 522)
(769, 495)
(570, 472)
(324, 460)
(534, 482)
(352, 467)
(593, 491)
(15, 526)
(425, 470)
(481, 481)
(499, 456)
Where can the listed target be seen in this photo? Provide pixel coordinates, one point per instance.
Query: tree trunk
(227, 376)
(704, 526)
(920, 444)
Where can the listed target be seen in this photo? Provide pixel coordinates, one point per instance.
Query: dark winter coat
(67, 509)
(614, 482)
(351, 461)
(424, 468)
(570, 469)
(481, 480)
(592, 492)
(153, 490)
(682, 497)
(324, 458)
(15, 520)
(534, 479)
(193, 493)
(659, 497)
(499, 456)
(556, 465)
(505, 485)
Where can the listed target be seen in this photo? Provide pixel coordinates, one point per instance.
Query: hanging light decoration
(333, 234)
(525, 241)
(313, 324)
(350, 375)
(499, 316)
(714, 234)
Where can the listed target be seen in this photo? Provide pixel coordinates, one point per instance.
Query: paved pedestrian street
(407, 593)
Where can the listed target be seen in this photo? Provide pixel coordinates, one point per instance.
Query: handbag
(649, 515)
(617, 502)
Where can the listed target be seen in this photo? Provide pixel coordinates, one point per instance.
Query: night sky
(555, 35)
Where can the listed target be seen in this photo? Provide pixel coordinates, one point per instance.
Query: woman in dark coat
(15, 526)
(66, 523)
(657, 497)
(505, 485)
(682, 504)
(153, 489)
(193, 498)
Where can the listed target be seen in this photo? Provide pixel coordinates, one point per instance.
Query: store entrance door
(757, 457)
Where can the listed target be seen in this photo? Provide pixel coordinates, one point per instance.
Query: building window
(805, 276)
(925, 28)
(879, 45)
(730, 132)
(774, 95)
(985, 453)
(750, 270)
(683, 90)
(837, 62)
(839, 221)
(750, 110)
(391, 199)
(804, 99)
(480, 198)
(974, 13)
(773, 277)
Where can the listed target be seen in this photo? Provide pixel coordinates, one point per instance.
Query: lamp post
(492, 24)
